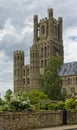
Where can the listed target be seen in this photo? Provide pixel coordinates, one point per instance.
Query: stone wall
(71, 117)
(26, 120)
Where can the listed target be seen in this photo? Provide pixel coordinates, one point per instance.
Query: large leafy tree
(50, 82)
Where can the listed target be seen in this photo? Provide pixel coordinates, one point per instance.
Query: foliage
(34, 100)
(1, 101)
(48, 105)
(70, 104)
(8, 95)
(50, 82)
(36, 96)
(18, 102)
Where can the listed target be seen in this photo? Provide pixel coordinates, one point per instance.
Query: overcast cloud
(16, 31)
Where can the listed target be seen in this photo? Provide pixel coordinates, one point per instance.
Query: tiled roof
(68, 69)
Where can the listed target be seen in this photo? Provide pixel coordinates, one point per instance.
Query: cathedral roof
(68, 69)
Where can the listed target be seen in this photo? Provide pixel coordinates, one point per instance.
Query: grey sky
(16, 31)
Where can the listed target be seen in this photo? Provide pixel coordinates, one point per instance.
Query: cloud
(70, 44)
(16, 31)
(6, 77)
(10, 32)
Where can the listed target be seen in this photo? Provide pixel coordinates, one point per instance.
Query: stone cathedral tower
(47, 42)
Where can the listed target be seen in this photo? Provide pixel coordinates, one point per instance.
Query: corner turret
(18, 74)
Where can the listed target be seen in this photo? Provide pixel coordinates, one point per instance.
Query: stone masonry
(47, 42)
(28, 120)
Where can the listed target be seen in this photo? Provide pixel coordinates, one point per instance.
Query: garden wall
(71, 117)
(26, 120)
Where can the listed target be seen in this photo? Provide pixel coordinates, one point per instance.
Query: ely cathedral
(47, 42)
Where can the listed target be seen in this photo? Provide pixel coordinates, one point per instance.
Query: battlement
(43, 19)
(16, 52)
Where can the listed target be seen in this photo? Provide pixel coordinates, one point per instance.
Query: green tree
(1, 101)
(36, 96)
(50, 82)
(8, 95)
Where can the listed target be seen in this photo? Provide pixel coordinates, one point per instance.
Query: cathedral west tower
(47, 42)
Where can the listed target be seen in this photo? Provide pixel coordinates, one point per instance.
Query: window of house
(72, 90)
(68, 81)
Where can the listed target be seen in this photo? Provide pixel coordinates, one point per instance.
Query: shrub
(36, 96)
(61, 106)
(70, 104)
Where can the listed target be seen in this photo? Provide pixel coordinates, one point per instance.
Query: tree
(8, 95)
(50, 82)
(1, 101)
(36, 96)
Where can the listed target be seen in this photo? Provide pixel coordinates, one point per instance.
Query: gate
(64, 117)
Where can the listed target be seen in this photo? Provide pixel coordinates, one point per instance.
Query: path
(66, 127)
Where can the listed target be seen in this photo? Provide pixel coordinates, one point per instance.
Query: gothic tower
(18, 73)
(47, 42)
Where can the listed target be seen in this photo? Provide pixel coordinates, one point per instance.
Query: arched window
(42, 63)
(42, 29)
(76, 80)
(24, 72)
(68, 81)
(45, 49)
(42, 51)
(33, 55)
(45, 62)
(55, 31)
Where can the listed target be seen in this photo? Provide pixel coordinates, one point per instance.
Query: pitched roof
(68, 69)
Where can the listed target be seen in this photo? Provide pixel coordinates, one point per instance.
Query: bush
(18, 102)
(70, 104)
(47, 105)
(61, 106)
(36, 96)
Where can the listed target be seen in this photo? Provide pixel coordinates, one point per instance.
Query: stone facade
(47, 42)
(27, 120)
(68, 74)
